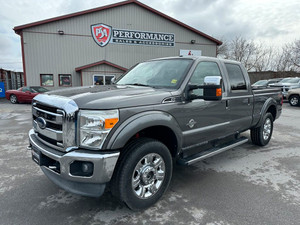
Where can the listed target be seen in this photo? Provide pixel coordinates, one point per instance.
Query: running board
(211, 152)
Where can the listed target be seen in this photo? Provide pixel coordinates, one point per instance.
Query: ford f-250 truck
(127, 136)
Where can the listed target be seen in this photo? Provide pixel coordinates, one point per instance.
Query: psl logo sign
(101, 34)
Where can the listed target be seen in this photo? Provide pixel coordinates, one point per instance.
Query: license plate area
(43, 160)
(36, 156)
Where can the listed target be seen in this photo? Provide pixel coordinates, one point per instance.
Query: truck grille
(52, 133)
(55, 124)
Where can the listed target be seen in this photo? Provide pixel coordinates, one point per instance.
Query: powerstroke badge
(104, 34)
(101, 33)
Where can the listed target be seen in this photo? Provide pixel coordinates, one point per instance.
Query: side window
(236, 77)
(203, 70)
(24, 89)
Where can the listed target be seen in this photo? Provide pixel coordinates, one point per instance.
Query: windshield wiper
(139, 84)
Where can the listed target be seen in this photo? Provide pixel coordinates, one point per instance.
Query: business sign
(184, 52)
(104, 34)
(2, 90)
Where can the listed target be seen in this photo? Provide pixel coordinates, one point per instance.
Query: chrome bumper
(104, 164)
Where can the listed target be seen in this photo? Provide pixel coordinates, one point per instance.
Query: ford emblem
(41, 122)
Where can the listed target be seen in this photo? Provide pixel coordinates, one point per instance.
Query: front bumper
(56, 166)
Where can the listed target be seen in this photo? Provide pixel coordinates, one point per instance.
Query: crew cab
(127, 136)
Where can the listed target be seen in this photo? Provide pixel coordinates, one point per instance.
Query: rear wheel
(13, 99)
(262, 135)
(294, 100)
(143, 173)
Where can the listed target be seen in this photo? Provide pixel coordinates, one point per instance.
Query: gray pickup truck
(127, 136)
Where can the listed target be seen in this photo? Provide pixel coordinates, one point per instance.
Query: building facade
(93, 46)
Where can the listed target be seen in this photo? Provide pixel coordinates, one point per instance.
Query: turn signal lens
(110, 123)
(219, 92)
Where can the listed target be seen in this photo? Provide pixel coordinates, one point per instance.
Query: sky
(272, 22)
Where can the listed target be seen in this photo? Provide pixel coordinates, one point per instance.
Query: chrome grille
(52, 134)
(55, 124)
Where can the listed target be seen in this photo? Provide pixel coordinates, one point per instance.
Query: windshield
(293, 81)
(38, 89)
(159, 74)
(261, 82)
(285, 80)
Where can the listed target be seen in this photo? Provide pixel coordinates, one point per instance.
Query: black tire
(136, 154)
(294, 100)
(13, 99)
(262, 135)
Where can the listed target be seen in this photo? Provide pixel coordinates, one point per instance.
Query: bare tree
(295, 55)
(253, 56)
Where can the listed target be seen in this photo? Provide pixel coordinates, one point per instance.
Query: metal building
(92, 46)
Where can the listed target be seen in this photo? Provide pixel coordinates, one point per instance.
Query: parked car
(265, 83)
(126, 136)
(294, 97)
(287, 84)
(24, 94)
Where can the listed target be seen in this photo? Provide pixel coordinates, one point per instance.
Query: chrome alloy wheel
(13, 99)
(294, 101)
(267, 129)
(148, 176)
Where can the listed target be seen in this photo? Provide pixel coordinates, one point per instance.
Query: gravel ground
(246, 185)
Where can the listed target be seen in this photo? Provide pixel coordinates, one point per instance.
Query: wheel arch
(154, 124)
(269, 106)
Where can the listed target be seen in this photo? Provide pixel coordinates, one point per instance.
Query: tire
(262, 135)
(294, 100)
(13, 99)
(143, 173)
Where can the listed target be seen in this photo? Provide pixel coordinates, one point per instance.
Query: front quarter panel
(142, 121)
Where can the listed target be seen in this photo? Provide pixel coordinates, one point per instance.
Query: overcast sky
(274, 22)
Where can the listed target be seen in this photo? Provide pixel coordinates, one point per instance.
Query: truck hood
(112, 96)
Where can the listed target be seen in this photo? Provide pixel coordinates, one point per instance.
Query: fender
(269, 102)
(142, 121)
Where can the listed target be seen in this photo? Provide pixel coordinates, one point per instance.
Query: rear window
(236, 77)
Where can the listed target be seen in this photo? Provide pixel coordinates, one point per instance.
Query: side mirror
(27, 92)
(212, 89)
(113, 80)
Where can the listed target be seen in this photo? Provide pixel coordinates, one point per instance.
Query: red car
(24, 94)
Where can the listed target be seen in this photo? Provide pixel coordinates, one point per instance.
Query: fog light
(82, 168)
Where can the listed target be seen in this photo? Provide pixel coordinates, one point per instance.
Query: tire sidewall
(294, 96)
(126, 193)
(13, 96)
(261, 136)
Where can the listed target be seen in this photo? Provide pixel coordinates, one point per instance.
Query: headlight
(94, 127)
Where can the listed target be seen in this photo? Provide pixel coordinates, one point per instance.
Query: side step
(211, 152)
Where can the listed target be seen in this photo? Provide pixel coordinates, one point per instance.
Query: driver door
(202, 120)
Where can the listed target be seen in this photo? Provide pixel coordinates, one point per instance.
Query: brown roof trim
(100, 63)
(18, 29)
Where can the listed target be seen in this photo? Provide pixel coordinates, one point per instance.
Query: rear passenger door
(239, 102)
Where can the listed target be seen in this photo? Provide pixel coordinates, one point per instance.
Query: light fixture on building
(193, 41)
(61, 32)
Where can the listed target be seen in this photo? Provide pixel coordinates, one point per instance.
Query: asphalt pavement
(245, 185)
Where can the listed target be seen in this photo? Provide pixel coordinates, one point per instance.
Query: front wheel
(262, 134)
(143, 173)
(13, 99)
(294, 100)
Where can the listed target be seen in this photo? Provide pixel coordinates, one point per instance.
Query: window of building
(65, 80)
(47, 80)
(102, 79)
(236, 77)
